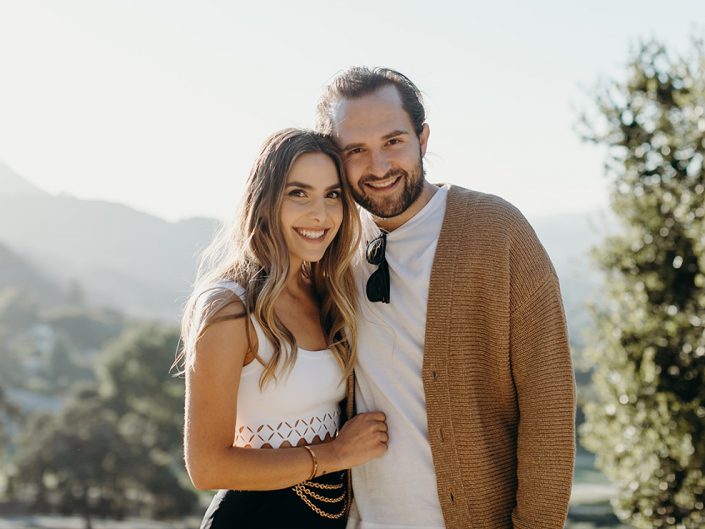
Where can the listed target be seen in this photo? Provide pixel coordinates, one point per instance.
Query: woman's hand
(362, 438)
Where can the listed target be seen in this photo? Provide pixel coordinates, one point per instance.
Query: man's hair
(359, 81)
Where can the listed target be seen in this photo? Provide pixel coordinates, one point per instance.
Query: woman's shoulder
(220, 312)
(224, 290)
(224, 298)
(221, 288)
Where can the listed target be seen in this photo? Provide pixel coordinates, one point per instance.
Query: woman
(269, 347)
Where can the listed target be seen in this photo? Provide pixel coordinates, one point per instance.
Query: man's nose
(379, 164)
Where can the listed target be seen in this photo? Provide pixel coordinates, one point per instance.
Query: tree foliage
(648, 428)
(115, 448)
(18, 308)
(135, 382)
(10, 414)
(84, 327)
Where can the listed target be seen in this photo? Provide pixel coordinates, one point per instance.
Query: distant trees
(134, 381)
(77, 462)
(77, 335)
(18, 310)
(46, 347)
(17, 313)
(115, 448)
(648, 428)
(9, 417)
(85, 327)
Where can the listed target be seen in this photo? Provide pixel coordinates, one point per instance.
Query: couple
(452, 319)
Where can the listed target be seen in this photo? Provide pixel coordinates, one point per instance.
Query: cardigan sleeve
(543, 376)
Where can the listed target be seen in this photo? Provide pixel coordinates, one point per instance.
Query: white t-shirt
(398, 490)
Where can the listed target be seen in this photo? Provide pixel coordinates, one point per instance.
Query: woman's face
(312, 209)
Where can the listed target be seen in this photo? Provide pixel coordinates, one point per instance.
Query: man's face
(382, 154)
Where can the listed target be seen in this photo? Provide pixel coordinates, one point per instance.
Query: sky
(162, 104)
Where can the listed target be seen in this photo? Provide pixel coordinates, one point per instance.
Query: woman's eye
(334, 194)
(297, 193)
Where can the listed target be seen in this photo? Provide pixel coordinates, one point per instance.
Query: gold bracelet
(314, 459)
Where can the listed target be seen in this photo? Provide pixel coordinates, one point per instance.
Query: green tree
(77, 461)
(648, 427)
(85, 328)
(10, 414)
(10, 364)
(135, 382)
(18, 308)
(61, 366)
(116, 447)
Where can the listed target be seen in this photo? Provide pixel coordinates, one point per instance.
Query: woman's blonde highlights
(252, 253)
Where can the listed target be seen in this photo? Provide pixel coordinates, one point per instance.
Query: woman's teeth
(311, 234)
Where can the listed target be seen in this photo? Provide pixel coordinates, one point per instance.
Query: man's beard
(392, 206)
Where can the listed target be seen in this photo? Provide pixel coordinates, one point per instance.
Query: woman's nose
(317, 211)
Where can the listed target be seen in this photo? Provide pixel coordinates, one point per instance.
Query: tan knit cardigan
(497, 373)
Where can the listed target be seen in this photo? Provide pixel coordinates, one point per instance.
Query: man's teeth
(383, 183)
(311, 234)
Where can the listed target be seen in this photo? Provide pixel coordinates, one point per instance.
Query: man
(461, 338)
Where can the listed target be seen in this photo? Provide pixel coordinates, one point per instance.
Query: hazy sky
(162, 104)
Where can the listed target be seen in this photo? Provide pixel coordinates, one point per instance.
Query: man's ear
(423, 138)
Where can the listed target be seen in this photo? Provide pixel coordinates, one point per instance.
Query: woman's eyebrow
(309, 186)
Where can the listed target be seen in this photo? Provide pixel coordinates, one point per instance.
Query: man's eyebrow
(384, 138)
(352, 146)
(395, 133)
(309, 186)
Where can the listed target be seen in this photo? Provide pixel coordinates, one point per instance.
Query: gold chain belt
(303, 491)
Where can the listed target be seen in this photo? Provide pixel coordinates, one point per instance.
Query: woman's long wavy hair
(253, 253)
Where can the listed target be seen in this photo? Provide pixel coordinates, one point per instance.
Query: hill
(144, 265)
(17, 272)
(122, 257)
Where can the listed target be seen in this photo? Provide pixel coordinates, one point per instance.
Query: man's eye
(394, 141)
(356, 150)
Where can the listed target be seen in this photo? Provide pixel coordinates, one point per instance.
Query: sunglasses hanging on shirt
(378, 283)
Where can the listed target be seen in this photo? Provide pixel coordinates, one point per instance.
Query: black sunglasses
(378, 283)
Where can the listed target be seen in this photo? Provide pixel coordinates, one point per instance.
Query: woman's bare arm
(212, 462)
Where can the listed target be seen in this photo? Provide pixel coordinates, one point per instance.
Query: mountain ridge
(17, 272)
(13, 184)
(124, 258)
(143, 264)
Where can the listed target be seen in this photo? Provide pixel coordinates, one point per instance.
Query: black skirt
(298, 507)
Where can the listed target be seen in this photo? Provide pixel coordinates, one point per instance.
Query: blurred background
(127, 130)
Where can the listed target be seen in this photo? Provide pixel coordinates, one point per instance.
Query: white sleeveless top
(302, 403)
